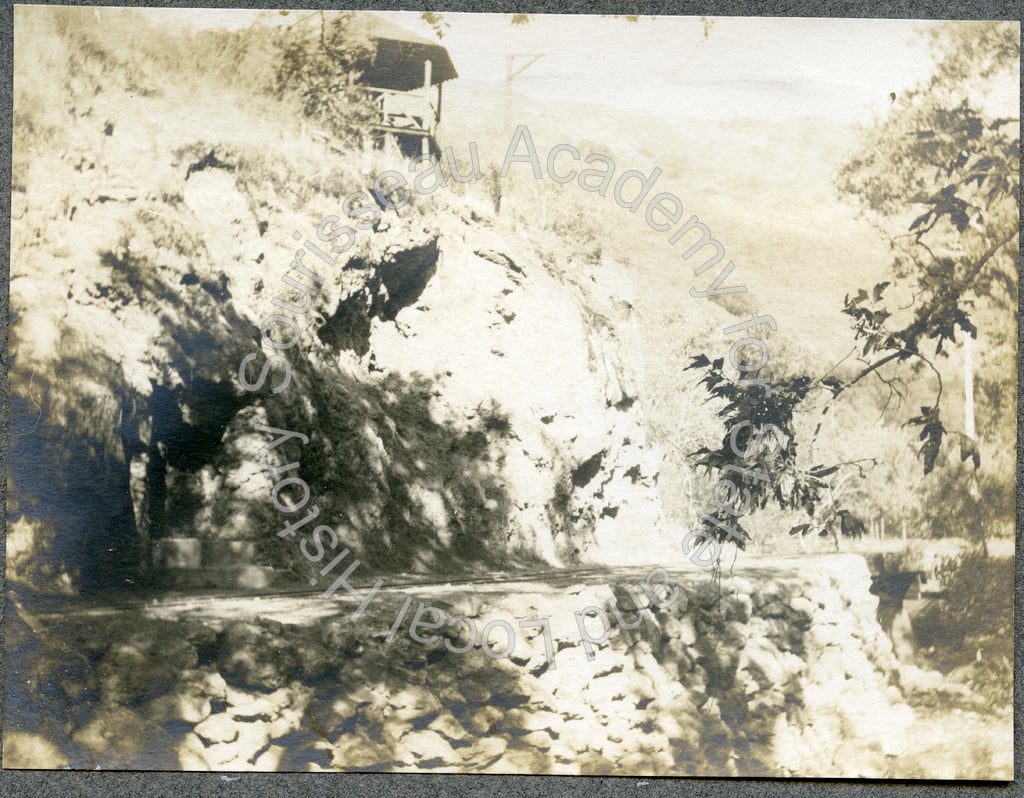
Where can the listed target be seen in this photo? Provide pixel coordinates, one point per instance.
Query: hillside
(458, 396)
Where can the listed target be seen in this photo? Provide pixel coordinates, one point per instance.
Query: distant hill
(763, 187)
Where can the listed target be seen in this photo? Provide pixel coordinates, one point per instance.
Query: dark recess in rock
(349, 326)
(405, 276)
(209, 161)
(587, 470)
(500, 259)
(219, 291)
(397, 283)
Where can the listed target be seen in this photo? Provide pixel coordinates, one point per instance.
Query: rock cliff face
(777, 674)
(459, 399)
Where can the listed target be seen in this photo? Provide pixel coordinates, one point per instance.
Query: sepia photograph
(568, 395)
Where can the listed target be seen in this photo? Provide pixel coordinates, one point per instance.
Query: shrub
(972, 630)
(321, 72)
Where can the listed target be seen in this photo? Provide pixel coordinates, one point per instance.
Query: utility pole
(968, 387)
(969, 430)
(511, 73)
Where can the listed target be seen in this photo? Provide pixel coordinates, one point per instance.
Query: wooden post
(904, 531)
(428, 113)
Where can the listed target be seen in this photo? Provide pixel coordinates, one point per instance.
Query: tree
(942, 169)
(321, 69)
(440, 25)
(437, 22)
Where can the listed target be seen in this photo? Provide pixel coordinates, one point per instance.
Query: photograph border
(26, 783)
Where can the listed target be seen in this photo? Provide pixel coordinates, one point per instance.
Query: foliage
(943, 159)
(243, 60)
(957, 504)
(437, 22)
(524, 19)
(944, 155)
(758, 442)
(321, 71)
(972, 630)
(946, 170)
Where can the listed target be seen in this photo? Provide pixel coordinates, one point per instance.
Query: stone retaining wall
(781, 672)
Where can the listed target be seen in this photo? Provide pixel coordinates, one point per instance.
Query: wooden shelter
(405, 80)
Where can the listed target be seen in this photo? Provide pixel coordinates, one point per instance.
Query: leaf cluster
(758, 442)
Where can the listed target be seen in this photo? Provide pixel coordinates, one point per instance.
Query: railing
(403, 111)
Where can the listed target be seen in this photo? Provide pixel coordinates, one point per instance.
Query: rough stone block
(178, 553)
(228, 552)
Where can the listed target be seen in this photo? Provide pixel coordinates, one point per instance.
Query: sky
(768, 68)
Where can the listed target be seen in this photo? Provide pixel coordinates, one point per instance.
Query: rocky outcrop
(462, 400)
